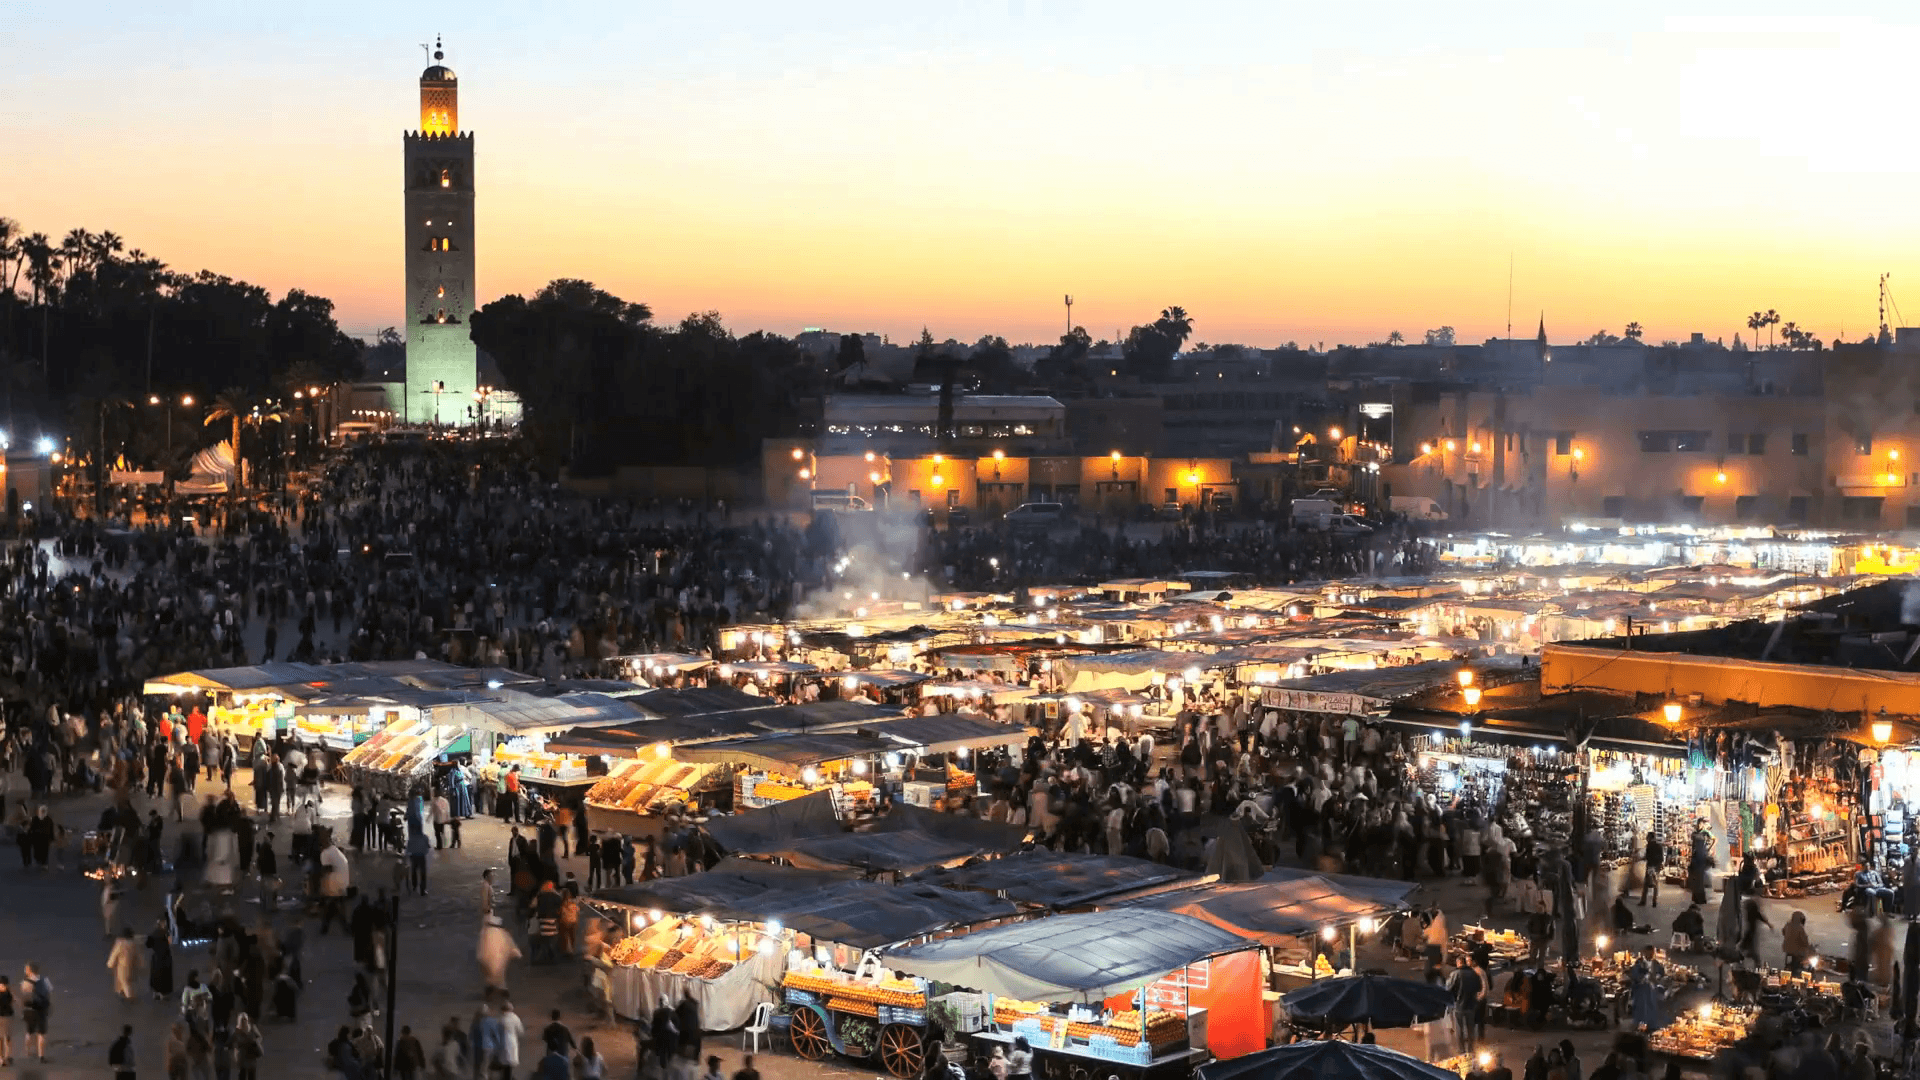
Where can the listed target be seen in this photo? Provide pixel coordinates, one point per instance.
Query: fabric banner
(1280, 697)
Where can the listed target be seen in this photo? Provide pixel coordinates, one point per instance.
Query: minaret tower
(442, 364)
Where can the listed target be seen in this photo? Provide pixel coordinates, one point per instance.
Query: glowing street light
(1672, 711)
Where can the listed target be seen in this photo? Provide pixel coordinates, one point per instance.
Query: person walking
(120, 1054)
(512, 1028)
(409, 1057)
(495, 951)
(6, 1022)
(36, 992)
(248, 1047)
(1656, 863)
(124, 961)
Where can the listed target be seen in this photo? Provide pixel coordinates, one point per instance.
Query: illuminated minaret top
(439, 97)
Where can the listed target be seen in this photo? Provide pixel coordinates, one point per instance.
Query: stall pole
(393, 973)
(1353, 950)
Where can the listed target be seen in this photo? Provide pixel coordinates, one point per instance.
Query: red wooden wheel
(809, 1035)
(902, 1050)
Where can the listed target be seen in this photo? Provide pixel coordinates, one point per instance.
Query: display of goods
(714, 969)
(689, 965)
(853, 1005)
(670, 958)
(637, 796)
(814, 982)
(626, 951)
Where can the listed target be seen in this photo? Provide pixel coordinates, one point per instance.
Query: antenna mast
(1069, 313)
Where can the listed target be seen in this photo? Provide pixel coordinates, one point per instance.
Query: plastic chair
(1679, 943)
(762, 1020)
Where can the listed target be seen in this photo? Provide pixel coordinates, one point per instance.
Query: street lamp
(1573, 467)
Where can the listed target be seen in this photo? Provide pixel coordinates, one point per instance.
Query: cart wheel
(902, 1050)
(809, 1035)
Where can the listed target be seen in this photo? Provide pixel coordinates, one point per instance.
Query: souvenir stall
(1131, 992)
(1631, 794)
(1700, 1034)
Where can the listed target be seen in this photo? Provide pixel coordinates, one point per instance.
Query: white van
(1036, 515)
(840, 502)
(1416, 508)
(1314, 512)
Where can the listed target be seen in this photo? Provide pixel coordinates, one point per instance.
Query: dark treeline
(90, 329)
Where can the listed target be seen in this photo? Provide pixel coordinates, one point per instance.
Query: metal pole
(393, 973)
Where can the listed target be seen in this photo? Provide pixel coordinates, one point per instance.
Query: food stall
(395, 761)
(1138, 992)
(769, 769)
(655, 669)
(647, 785)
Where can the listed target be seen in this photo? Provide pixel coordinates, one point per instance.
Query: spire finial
(437, 54)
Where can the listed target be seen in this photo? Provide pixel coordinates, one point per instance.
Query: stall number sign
(1279, 697)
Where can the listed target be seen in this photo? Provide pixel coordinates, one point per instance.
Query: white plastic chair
(1679, 942)
(762, 1020)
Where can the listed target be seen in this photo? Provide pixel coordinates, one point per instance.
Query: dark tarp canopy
(627, 740)
(783, 751)
(944, 732)
(821, 715)
(1057, 880)
(866, 915)
(808, 832)
(731, 883)
(1271, 912)
(697, 701)
(1376, 1000)
(1087, 957)
(771, 828)
(1325, 1061)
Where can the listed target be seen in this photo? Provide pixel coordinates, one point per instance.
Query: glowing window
(446, 178)
(442, 291)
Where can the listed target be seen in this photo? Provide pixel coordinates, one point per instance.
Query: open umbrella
(1379, 1000)
(1325, 1061)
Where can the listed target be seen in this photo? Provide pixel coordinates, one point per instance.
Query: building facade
(442, 362)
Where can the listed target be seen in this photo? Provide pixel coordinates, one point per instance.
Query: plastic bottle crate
(894, 1014)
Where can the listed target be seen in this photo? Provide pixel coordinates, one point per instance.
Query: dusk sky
(1319, 173)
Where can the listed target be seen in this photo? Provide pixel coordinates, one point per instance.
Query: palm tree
(1396, 338)
(1769, 320)
(43, 273)
(1790, 334)
(1632, 332)
(1754, 322)
(235, 405)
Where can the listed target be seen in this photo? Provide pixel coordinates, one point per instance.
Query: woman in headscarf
(1794, 941)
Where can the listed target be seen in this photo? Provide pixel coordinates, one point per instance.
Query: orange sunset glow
(1283, 175)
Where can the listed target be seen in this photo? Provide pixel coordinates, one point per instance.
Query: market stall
(1149, 992)
(1057, 881)
(1701, 1034)
(396, 760)
(771, 769)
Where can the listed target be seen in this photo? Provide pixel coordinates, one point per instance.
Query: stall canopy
(783, 752)
(808, 832)
(1377, 1000)
(628, 740)
(1380, 890)
(1083, 958)
(866, 915)
(518, 713)
(732, 884)
(695, 701)
(1325, 1061)
(1273, 912)
(820, 715)
(773, 827)
(946, 732)
(1057, 880)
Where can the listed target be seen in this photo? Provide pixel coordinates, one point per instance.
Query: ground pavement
(53, 918)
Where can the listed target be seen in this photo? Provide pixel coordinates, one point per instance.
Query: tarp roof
(733, 883)
(769, 828)
(1057, 880)
(626, 740)
(517, 712)
(696, 700)
(1381, 684)
(1077, 958)
(1330, 1060)
(1273, 912)
(820, 715)
(784, 751)
(868, 915)
(944, 732)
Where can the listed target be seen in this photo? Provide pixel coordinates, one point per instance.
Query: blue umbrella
(1325, 1061)
(1379, 1000)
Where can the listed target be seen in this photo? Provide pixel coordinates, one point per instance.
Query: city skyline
(865, 169)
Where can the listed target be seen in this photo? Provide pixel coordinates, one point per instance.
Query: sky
(1284, 171)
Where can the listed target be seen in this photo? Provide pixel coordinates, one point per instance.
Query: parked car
(1348, 525)
(1035, 515)
(840, 502)
(1171, 511)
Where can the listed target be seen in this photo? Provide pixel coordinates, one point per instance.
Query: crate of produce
(796, 996)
